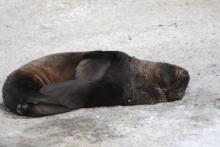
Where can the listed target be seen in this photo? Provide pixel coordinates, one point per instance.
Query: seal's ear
(73, 94)
(94, 65)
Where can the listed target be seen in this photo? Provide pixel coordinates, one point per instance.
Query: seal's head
(176, 80)
(168, 81)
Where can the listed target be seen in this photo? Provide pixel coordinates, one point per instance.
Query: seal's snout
(185, 73)
(182, 71)
(183, 81)
(176, 80)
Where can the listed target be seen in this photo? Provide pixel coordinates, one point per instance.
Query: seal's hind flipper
(73, 94)
(94, 65)
(45, 109)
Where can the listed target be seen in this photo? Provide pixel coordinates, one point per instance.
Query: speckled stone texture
(186, 33)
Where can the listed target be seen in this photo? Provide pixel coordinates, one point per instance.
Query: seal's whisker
(175, 85)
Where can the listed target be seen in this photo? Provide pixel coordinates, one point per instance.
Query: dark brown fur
(128, 81)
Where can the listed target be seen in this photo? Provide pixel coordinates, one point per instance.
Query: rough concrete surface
(186, 33)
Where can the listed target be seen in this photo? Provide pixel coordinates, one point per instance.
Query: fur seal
(66, 81)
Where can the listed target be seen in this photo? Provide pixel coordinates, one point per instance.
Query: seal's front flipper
(74, 94)
(94, 65)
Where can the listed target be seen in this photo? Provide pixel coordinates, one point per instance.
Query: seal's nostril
(185, 73)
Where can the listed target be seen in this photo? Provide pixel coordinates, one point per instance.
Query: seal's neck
(145, 82)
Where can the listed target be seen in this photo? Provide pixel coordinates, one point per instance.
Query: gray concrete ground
(186, 33)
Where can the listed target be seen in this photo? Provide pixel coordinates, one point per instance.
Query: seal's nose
(181, 71)
(184, 72)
